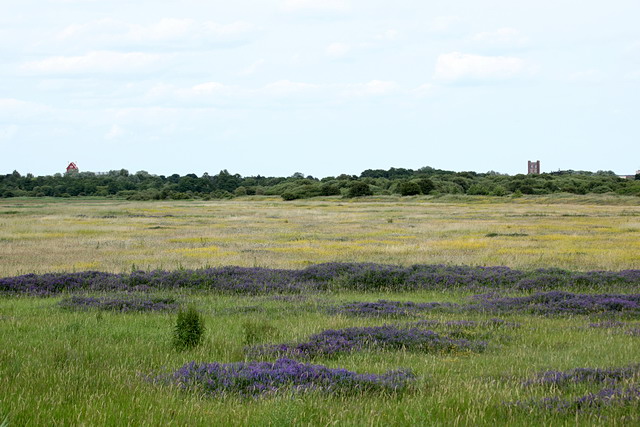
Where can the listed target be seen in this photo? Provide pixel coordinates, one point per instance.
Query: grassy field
(46, 235)
(66, 367)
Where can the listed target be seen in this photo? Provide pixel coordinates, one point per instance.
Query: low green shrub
(189, 330)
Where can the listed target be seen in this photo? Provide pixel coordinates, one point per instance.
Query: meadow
(329, 288)
(573, 232)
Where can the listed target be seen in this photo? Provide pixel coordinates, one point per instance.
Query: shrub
(240, 191)
(426, 185)
(288, 195)
(189, 329)
(329, 190)
(358, 189)
(409, 188)
(499, 190)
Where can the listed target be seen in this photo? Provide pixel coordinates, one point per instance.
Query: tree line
(405, 182)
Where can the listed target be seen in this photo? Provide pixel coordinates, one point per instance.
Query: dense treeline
(405, 182)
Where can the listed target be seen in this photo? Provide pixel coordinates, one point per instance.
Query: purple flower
(352, 276)
(617, 396)
(556, 302)
(122, 303)
(387, 337)
(584, 375)
(283, 375)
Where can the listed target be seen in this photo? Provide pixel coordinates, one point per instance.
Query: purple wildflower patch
(124, 303)
(387, 337)
(614, 393)
(383, 308)
(352, 276)
(254, 379)
(584, 375)
(556, 302)
(606, 397)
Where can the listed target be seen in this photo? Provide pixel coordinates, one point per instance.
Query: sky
(320, 87)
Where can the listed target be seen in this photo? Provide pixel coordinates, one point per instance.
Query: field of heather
(389, 311)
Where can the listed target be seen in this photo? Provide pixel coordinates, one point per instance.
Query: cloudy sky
(322, 87)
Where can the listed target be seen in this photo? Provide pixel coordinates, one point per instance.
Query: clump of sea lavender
(120, 303)
(253, 379)
(353, 276)
(585, 375)
(383, 308)
(558, 303)
(387, 337)
(617, 396)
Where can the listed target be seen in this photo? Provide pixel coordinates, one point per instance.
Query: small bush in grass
(189, 329)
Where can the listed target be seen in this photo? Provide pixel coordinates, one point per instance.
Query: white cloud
(372, 88)
(315, 5)
(503, 37)
(633, 75)
(388, 35)
(456, 66)
(94, 62)
(337, 50)
(287, 88)
(215, 94)
(445, 24)
(587, 76)
(251, 69)
(207, 92)
(208, 88)
(8, 132)
(115, 132)
(424, 90)
(167, 32)
(14, 109)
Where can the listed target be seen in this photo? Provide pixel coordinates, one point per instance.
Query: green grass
(90, 367)
(59, 367)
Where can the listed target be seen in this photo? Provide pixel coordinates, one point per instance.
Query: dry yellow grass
(46, 235)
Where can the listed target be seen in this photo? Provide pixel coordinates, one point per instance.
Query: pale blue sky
(321, 87)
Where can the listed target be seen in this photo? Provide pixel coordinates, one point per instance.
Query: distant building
(72, 168)
(534, 168)
(629, 176)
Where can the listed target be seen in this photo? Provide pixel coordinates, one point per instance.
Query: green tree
(409, 188)
(359, 189)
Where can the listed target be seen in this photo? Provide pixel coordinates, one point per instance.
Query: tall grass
(45, 235)
(93, 367)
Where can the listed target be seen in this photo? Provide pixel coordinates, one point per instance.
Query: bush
(189, 329)
(329, 190)
(290, 195)
(426, 185)
(358, 189)
(409, 188)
